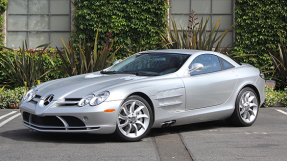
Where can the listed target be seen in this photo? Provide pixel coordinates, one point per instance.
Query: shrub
(90, 59)
(50, 58)
(10, 98)
(279, 60)
(195, 36)
(275, 96)
(257, 24)
(24, 68)
(3, 7)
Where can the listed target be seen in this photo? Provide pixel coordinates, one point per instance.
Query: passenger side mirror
(195, 67)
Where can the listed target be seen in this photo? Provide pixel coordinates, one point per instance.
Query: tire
(135, 118)
(246, 108)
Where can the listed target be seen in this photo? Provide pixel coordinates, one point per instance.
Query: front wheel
(134, 119)
(246, 108)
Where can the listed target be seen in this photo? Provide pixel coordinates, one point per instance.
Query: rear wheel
(134, 120)
(246, 108)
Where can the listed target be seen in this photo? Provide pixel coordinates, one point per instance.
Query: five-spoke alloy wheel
(246, 108)
(135, 119)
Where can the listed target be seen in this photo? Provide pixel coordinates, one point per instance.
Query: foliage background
(273, 97)
(51, 60)
(257, 25)
(3, 7)
(11, 98)
(125, 18)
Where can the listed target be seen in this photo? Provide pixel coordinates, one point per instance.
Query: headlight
(94, 100)
(100, 98)
(29, 95)
(262, 75)
(85, 100)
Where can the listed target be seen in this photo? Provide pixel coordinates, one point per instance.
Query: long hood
(79, 86)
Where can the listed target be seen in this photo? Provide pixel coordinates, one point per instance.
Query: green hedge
(257, 25)
(3, 7)
(125, 18)
(10, 98)
(51, 60)
(274, 97)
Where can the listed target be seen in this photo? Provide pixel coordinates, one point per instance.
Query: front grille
(42, 120)
(46, 121)
(69, 102)
(73, 121)
(36, 99)
(73, 99)
(55, 123)
(26, 116)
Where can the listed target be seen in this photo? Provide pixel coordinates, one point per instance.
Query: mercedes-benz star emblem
(48, 99)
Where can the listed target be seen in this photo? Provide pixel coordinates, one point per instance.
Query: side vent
(167, 123)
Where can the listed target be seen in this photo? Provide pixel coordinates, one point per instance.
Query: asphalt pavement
(217, 140)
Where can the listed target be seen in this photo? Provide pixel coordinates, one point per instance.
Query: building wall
(7, 30)
(224, 9)
(179, 15)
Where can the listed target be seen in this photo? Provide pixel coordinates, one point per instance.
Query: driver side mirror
(195, 67)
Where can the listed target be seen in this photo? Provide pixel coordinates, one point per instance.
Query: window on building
(38, 22)
(204, 8)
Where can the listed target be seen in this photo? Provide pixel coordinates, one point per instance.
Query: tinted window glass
(155, 63)
(225, 64)
(210, 63)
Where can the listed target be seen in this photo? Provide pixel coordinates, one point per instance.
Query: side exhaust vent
(168, 123)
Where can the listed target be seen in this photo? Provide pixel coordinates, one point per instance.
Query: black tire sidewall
(239, 120)
(121, 136)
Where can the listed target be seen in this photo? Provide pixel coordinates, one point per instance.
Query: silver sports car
(150, 89)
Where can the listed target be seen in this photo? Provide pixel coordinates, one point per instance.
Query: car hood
(79, 86)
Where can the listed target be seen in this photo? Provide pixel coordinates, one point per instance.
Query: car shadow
(29, 135)
(189, 128)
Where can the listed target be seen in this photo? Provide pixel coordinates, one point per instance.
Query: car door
(211, 86)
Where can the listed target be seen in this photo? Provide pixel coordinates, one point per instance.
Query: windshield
(149, 64)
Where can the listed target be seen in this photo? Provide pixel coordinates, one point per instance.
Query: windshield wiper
(109, 72)
(116, 72)
(139, 73)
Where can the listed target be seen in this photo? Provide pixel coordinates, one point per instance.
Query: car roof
(179, 51)
(192, 52)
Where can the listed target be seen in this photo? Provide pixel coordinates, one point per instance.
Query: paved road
(265, 140)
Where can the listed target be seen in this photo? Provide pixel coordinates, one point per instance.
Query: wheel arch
(255, 90)
(144, 96)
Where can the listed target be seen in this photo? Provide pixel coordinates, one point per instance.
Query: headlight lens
(94, 100)
(262, 75)
(100, 98)
(84, 101)
(29, 95)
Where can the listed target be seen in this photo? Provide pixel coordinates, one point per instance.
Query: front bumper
(260, 83)
(89, 119)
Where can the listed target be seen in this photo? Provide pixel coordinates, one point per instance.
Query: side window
(210, 63)
(225, 64)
